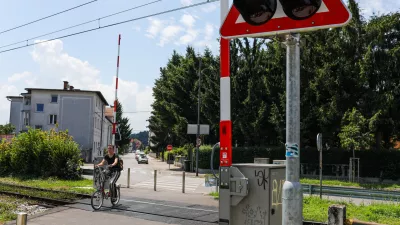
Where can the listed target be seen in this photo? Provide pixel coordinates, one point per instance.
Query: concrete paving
(70, 216)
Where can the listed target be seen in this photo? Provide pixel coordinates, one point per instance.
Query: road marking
(173, 183)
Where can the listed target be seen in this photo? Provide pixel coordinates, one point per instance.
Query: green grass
(8, 205)
(380, 186)
(83, 186)
(315, 209)
(215, 195)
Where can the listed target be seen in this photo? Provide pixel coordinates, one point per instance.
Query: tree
(142, 136)
(355, 132)
(7, 129)
(123, 136)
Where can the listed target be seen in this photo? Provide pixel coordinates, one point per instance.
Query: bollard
(337, 215)
(129, 177)
(183, 182)
(22, 218)
(155, 180)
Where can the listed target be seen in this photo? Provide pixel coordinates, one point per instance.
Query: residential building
(81, 112)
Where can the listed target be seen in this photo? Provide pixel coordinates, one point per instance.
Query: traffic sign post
(249, 18)
(319, 147)
(169, 147)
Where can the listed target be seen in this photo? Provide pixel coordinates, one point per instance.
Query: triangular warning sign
(332, 13)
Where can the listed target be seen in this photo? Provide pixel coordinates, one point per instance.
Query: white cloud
(56, 66)
(18, 76)
(189, 37)
(208, 34)
(186, 2)
(169, 33)
(188, 20)
(155, 27)
(210, 7)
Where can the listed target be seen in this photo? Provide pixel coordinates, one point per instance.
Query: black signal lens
(256, 12)
(300, 9)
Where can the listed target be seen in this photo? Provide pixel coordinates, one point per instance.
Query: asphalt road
(130, 211)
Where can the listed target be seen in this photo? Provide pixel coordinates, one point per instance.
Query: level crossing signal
(261, 18)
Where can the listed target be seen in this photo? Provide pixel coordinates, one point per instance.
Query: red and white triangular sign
(332, 13)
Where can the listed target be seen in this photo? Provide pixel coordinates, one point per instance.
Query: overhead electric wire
(46, 17)
(80, 24)
(113, 24)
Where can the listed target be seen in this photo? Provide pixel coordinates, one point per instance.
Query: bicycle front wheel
(97, 200)
(115, 200)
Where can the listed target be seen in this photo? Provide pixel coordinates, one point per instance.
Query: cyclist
(112, 160)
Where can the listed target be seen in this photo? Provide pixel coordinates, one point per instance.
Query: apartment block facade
(81, 112)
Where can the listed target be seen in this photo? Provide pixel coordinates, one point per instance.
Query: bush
(5, 153)
(42, 153)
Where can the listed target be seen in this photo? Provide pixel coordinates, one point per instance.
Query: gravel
(30, 209)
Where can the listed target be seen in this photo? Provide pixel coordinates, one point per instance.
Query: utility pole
(198, 122)
(292, 195)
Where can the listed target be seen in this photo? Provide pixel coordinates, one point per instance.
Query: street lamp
(198, 117)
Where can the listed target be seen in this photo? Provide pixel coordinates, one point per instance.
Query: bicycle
(100, 194)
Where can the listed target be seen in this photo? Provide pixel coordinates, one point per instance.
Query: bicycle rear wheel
(97, 200)
(115, 200)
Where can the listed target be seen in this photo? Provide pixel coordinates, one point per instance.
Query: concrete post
(22, 218)
(129, 177)
(337, 215)
(155, 180)
(183, 182)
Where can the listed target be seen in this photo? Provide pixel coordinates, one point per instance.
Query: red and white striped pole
(225, 127)
(116, 100)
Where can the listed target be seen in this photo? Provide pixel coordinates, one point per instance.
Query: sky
(88, 61)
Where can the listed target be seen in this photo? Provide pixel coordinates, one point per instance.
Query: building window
(26, 118)
(39, 107)
(27, 101)
(38, 127)
(54, 98)
(53, 119)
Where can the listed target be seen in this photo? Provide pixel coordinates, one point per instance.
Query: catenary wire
(113, 24)
(46, 17)
(80, 24)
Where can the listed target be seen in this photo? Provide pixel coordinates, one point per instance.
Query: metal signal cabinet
(263, 203)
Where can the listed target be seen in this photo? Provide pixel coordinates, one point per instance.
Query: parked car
(143, 158)
(137, 154)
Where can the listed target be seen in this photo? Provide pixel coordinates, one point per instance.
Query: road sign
(169, 147)
(319, 142)
(192, 129)
(332, 13)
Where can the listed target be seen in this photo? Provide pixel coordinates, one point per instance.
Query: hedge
(383, 164)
